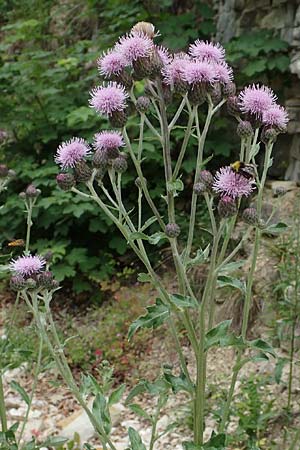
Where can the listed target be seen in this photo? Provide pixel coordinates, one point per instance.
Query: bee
(247, 170)
(16, 243)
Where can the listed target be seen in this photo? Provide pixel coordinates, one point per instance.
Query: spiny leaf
(156, 315)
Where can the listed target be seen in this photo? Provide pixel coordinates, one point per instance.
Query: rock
(77, 423)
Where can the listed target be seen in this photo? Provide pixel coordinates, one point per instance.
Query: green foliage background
(47, 67)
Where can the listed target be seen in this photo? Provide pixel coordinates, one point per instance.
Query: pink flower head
(106, 140)
(199, 72)
(229, 183)
(163, 54)
(111, 63)
(69, 153)
(173, 72)
(275, 116)
(224, 72)
(256, 99)
(27, 265)
(107, 99)
(207, 50)
(134, 46)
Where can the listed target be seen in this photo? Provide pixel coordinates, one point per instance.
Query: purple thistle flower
(229, 183)
(106, 140)
(27, 265)
(256, 99)
(111, 63)
(71, 152)
(108, 99)
(224, 72)
(275, 116)
(199, 72)
(207, 50)
(134, 46)
(173, 72)
(164, 54)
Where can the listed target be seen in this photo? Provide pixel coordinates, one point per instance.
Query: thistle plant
(199, 81)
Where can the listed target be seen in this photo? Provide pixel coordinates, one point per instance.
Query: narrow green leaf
(156, 237)
(140, 388)
(137, 409)
(101, 412)
(54, 441)
(116, 395)
(135, 440)
(18, 388)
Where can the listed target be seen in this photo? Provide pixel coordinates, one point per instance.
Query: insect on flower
(247, 170)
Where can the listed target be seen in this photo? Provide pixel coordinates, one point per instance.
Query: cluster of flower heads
(29, 272)
(258, 103)
(200, 73)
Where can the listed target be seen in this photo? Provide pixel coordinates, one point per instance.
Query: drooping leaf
(263, 346)
(183, 301)
(276, 229)
(225, 281)
(54, 441)
(137, 409)
(101, 412)
(155, 316)
(18, 388)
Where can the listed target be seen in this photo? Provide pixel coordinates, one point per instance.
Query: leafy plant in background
(45, 74)
(287, 291)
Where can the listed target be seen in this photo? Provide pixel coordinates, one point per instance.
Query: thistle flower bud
(244, 129)
(197, 94)
(199, 188)
(45, 279)
(3, 171)
(206, 178)
(100, 158)
(11, 173)
(17, 283)
(118, 119)
(82, 172)
(229, 89)
(268, 135)
(65, 181)
(138, 182)
(22, 195)
(100, 174)
(120, 164)
(233, 107)
(54, 285)
(181, 87)
(250, 216)
(279, 191)
(216, 93)
(30, 283)
(146, 28)
(125, 79)
(156, 64)
(172, 230)
(32, 192)
(142, 104)
(227, 207)
(142, 68)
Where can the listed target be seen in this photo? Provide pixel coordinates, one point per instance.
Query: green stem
(201, 356)
(186, 139)
(2, 407)
(34, 385)
(29, 224)
(201, 142)
(295, 440)
(142, 180)
(177, 114)
(295, 314)
(248, 297)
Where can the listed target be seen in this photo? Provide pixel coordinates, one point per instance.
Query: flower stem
(2, 407)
